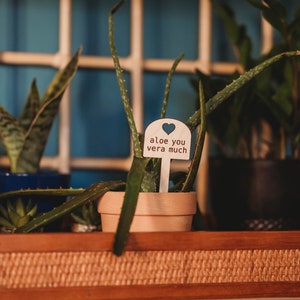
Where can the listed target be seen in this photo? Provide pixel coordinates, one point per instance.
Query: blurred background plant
(261, 120)
(86, 218)
(16, 213)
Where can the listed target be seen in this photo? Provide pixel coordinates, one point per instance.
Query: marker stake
(167, 139)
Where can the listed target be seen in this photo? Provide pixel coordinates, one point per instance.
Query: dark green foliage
(25, 138)
(270, 100)
(16, 213)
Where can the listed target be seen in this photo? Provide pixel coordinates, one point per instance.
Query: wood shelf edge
(200, 240)
(189, 291)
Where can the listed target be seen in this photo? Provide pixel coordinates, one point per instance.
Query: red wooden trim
(197, 291)
(201, 240)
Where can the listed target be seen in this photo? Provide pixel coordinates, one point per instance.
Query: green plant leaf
(137, 149)
(38, 131)
(236, 33)
(93, 192)
(13, 216)
(32, 212)
(234, 86)
(193, 168)
(274, 12)
(78, 219)
(12, 135)
(133, 184)
(168, 85)
(31, 107)
(4, 222)
(3, 211)
(20, 209)
(22, 220)
(42, 192)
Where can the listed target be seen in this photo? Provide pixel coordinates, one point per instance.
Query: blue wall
(99, 127)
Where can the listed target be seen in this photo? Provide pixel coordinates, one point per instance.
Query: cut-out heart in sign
(168, 128)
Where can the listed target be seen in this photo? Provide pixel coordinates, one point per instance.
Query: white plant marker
(167, 139)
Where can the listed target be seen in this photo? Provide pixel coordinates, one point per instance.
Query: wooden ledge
(190, 265)
(201, 240)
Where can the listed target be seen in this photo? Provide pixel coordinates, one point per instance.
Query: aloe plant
(25, 138)
(16, 214)
(142, 168)
(87, 215)
(144, 172)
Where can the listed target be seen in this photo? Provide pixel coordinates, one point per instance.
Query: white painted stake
(167, 139)
(164, 175)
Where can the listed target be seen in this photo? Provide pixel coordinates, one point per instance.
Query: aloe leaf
(193, 168)
(85, 214)
(22, 220)
(133, 184)
(168, 85)
(4, 222)
(78, 219)
(93, 214)
(31, 107)
(37, 134)
(41, 192)
(3, 211)
(20, 209)
(119, 72)
(12, 136)
(32, 212)
(225, 93)
(13, 216)
(93, 192)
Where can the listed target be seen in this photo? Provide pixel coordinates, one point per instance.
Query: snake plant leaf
(38, 131)
(12, 135)
(31, 107)
(237, 33)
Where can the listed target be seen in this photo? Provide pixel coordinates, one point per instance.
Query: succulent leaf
(31, 107)
(39, 129)
(93, 192)
(235, 85)
(12, 135)
(20, 209)
(5, 223)
(137, 148)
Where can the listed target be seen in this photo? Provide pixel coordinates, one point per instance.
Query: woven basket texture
(78, 269)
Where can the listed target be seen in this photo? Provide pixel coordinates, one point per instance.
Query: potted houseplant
(144, 173)
(256, 165)
(24, 138)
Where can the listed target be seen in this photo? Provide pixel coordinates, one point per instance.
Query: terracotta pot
(154, 211)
